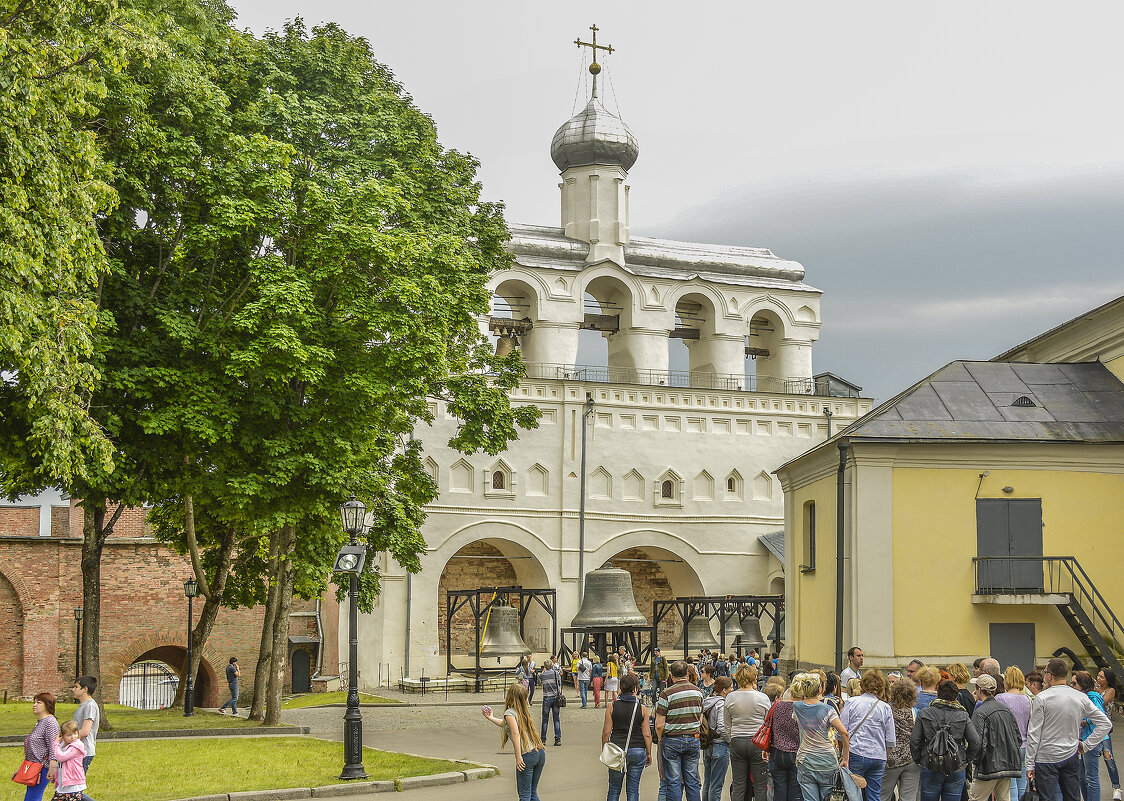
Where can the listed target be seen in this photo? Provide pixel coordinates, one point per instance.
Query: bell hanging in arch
(608, 600)
(505, 345)
(752, 638)
(699, 635)
(501, 633)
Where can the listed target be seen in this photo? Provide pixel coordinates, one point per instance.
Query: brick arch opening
(658, 575)
(11, 638)
(175, 656)
(490, 562)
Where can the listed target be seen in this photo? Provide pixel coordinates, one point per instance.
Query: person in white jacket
(1053, 737)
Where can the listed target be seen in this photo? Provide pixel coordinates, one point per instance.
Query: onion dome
(594, 136)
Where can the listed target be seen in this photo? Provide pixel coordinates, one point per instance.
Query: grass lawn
(157, 770)
(16, 718)
(320, 699)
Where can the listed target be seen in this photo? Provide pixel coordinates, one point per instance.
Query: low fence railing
(679, 379)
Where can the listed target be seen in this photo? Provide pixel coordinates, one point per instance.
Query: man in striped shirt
(677, 726)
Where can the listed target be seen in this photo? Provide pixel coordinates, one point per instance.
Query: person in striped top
(677, 726)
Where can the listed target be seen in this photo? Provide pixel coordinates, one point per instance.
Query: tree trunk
(93, 542)
(265, 650)
(280, 655)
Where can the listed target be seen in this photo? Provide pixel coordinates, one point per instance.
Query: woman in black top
(627, 711)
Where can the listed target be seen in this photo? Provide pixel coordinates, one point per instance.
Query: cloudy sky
(952, 175)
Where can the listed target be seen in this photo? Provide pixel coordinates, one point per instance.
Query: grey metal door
(301, 666)
(1013, 644)
(1007, 528)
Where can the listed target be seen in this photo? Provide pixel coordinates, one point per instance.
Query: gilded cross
(594, 67)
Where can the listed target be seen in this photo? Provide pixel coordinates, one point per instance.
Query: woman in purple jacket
(37, 746)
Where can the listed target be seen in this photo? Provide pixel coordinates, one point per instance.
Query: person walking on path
(1053, 737)
(551, 681)
(902, 773)
(716, 758)
(88, 718)
(662, 671)
(817, 765)
(869, 722)
(854, 665)
(530, 756)
(944, 716)
(68, 751)
(622, 716)
(37, 747)
(233, 673)
(744, 712)
(999, 759)
(582, 676)
(782, 749)
(1016, 699)
(597, 679)
(1109, 688)
(677, 728)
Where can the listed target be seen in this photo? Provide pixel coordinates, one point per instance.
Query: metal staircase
(1066, 585)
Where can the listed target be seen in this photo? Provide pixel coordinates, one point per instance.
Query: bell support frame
(721, 607)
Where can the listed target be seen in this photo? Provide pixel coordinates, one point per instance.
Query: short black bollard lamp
(190, 589)
(77, 642)
(351, 559)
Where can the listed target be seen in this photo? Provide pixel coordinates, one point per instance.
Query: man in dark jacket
(944, 713)
(1000, 759)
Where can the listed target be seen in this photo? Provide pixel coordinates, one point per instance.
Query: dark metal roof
(774, 543)
(976, 401)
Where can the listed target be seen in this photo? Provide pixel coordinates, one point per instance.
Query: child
(69, 751)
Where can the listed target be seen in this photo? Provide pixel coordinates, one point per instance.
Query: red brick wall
(649, 583)
(11, 637)
(19, 520)
(467, 574)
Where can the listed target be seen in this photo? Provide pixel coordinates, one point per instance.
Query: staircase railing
(1061, 575)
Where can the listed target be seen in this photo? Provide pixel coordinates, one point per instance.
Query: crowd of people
(925, 733)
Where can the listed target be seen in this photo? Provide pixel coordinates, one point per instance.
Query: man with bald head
(991, 667)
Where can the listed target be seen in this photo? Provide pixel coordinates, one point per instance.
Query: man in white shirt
(1053, 737)
(854, 668)
(584, 674)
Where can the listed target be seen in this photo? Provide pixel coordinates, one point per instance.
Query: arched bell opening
(658, 575)
(763, 364)
(491, 562)
(512, 318)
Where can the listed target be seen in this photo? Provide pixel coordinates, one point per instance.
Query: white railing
(679, 379)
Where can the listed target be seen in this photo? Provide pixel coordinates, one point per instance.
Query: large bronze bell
(501, 633)
(699, 635)
(608, 600)
(751, 625)
(505, 345)
(732, 630)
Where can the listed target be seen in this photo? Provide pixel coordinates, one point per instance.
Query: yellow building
(979, 512)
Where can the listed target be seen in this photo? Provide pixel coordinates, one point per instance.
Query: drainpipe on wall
(409, 595)
(586, 412)
(840, 508)
(319, 648)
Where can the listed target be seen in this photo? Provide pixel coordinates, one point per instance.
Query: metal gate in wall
(148, 685)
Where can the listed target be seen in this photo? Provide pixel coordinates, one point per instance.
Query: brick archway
(13, 632)
(168, 647)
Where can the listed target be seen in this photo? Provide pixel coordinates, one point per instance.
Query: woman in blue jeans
(944, 712)
(817, 766)
(620, 716)
(716, 758)
(37, 746)
(530, 756)
(1083, 681)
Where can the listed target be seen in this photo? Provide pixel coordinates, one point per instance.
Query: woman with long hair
(1108, 685)
(817, 765)
(517, 726)
(1083, 681)
(902, 772)
(1014, 697)
(37, 746)
(707, 682)
(621, 716)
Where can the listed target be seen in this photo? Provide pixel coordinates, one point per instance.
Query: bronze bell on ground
(505, 345)
(751, 625)
(501, 633)
(700, 635)
(608, 600)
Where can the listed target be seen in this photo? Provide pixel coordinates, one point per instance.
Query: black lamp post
(350, 560)
(77, 642)
(190, 589)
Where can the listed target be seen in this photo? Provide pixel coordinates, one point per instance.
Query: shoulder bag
(28, 774)
(763, 737)
(612, 755)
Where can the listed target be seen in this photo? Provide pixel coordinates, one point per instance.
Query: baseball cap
(985, 682)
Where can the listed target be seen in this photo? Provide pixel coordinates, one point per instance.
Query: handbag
(612, 755)
(28, 773)
(561, 699)
(763, 737)
(1031, 793)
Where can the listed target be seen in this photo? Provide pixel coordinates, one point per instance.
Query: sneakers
(558, 742)
(1116, 794)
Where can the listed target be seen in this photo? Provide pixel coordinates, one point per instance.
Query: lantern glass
(353, 513)
(77, 613)
(191, 588)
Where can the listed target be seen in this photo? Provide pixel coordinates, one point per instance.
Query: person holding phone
(517, 726)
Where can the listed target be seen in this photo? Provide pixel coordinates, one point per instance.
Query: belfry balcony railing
(678, 379)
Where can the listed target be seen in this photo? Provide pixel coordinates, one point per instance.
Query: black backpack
(941, 754)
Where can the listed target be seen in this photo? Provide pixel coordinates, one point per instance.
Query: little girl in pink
(70, 780)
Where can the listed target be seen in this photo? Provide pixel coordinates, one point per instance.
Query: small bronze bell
(752, 638)
(501, 633)
(505, 345)
(699, 635)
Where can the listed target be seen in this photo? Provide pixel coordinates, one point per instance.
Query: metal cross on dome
(594, 67)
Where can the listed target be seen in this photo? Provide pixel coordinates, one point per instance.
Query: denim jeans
(1110, 763)
(233, 702)
(35, 791)
(907, 781)
(943, 786)
(715, 762)
(527, 780)
(86, 761)
(815, 784)
(871, 770)
(583, 691)
(749, 773)
(634, 766)
(782, 769)
(1091, 788)
(550, 702)
(1018, 784)
(1059, 781)
(680, 757)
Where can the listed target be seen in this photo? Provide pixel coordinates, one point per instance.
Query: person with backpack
(721, 666)
(943, 742)
(1000, 755)
(714, 741)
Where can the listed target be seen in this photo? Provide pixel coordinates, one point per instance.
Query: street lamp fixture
(77, 642)
(351, 560)
(190, 590)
